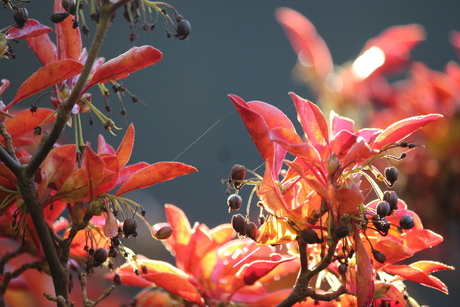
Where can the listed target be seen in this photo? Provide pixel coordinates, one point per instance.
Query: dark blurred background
(237, 47)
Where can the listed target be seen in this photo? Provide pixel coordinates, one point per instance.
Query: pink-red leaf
(312, 120)
(30, 29)
(294, 145)
(259, 118)
(402, 129)
(120, 67)
(153, 174)
(45, 77)
(177, 285)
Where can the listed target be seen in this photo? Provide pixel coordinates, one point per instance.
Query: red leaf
(103, 148)
(177, 243)
(257, 269)
(420, 239)
(126, 147)
(358, 153)
(393, 251)
(364, 280)
(415, 274)
(68, 38)
(276, 232)
(312, 120)
(153, 174)
(31, 28)
(120, 67)
(306, 42)
(177, 285)
(259, 118)
(402, 129)
(294, 145)
(127, 171)
(25, 121)
(58, 165)
(348, 198)
(45, 77)
(199, 245)
(43, 48)
(431, 266)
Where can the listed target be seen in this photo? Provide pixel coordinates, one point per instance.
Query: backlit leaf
(312, 120)
(126, 146)
(43, 48)
(153, 174)
(364, 280)
(400, 130)
(177, 285)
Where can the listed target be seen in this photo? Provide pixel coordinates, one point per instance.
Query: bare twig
(87, 302)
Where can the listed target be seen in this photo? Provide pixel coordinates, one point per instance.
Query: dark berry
(379, 256)
(391, 198)
(239, 224)
(100, 256)
(252, 231)
(383, 209)
(129, 227)
(234, 202)
(310, 236)
(406, 222)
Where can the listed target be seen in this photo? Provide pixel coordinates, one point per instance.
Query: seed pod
(383, 209)
(392, 198)
(252, 231)
(234, 202)
(239, 224)
(379, 256)
(129, 227)
(58, 17)
(406, 222)
(164, 232)
(391, 174)
(183, 28)
(342, 231)
(21, 15)
(100, 256)
(310, 236)
(238, 172)
(343, 268)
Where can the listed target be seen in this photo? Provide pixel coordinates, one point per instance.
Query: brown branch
(301, 289)
(87, 302)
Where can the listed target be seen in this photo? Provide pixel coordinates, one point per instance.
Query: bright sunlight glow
(369, 61)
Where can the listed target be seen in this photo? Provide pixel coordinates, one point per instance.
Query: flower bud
(310, 236)
(129, 227)
(252, 231)
(100, 256)
(332, 164)
(164, 233)
(342, 231)
(406, 222)
(95, 207)
(383, 209)
(379, 256)
(392, 198)
(234, 202)
(239, 224)
(391, 175)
